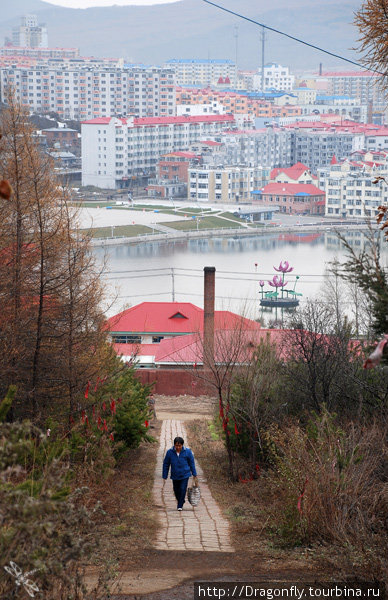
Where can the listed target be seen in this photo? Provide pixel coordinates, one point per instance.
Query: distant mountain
(194, 29)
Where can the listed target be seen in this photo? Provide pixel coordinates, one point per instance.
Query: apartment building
(270, 147)
(204, 72)
(350, 191)
(21, 53)
(229, 184)
(363, 85)
(29, 33)
(118, 151)
(250, 104)
(316, 148)
(276, 77)
(85, 92)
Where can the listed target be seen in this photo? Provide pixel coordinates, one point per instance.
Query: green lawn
(204, 223)
(120, 230)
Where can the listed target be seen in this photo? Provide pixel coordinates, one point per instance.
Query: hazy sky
(88, 3)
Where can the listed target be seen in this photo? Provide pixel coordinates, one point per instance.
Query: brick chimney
(208, 315)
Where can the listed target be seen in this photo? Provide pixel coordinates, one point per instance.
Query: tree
(372, 22)
(365, 269)
(52, 336)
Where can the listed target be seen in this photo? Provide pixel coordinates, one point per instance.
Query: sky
(89, 3)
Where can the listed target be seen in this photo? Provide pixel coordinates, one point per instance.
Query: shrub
(331, 486)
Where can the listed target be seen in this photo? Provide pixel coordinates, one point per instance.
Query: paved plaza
(194, 528)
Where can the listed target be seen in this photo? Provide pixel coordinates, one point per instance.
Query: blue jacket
(182, 466)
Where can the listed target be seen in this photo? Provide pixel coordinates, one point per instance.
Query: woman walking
(181, 461)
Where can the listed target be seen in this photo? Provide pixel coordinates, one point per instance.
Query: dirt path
(193, 545)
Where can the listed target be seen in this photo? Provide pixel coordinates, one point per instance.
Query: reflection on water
(173, 270)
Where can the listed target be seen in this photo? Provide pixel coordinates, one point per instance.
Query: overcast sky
(88, 3)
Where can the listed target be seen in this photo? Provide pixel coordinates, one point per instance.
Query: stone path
(194, 528)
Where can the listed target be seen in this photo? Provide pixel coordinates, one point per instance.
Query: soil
(130, 527)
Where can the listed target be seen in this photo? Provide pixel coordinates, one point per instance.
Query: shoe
(179, 509)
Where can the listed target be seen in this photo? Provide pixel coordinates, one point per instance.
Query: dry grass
(343, 526)
(128, 528)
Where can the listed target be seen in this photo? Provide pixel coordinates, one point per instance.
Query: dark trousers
(180, 487)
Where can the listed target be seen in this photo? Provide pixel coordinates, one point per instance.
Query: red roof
(293, 172)
(333, 160)
(173, 318)
(291, 189)
(210, 143)
(188, 349)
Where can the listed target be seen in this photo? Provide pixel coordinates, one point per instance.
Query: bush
(43, 524)
(330, 485)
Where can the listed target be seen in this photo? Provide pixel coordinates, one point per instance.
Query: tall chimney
(208, 315)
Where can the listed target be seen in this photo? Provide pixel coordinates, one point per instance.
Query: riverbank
(177, 235)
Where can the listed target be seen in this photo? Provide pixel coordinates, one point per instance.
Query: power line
(291, 37)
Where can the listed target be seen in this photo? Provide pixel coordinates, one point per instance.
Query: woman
(181, 461)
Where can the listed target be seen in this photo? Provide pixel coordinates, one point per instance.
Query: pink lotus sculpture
(284, 267)
(277, 281)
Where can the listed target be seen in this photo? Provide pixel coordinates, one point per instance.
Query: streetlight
(113, 230)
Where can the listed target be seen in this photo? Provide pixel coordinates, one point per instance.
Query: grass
(204, 223)
(120, 231)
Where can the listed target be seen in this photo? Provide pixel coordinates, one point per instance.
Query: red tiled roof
(210, 143)
(158, 317)
(290, 189)
(293, 172)
(188, 349)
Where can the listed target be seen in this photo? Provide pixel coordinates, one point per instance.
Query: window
(157, 338)
(126, 339)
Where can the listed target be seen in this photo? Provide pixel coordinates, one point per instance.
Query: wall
(175, 382)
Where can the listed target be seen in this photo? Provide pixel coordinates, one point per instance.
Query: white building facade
(192, 71)
(229, 184)
(86, 92)
(350, 191)
(118, 151)
(276, 77)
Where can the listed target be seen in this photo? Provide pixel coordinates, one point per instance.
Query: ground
(130, 527)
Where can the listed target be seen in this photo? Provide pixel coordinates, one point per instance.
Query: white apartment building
(86, 92)
(211, 108)
(116, 151)
(29, 33)
(204, 72)
(276, 77)
(227, 184)
(350, 191)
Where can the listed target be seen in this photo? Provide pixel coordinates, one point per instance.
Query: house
(292, 198)
(298, 173)
(143, 331)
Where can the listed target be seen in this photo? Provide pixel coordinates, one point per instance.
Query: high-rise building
(30, 34)
(86, 91)
(204, 72)
(115, 152)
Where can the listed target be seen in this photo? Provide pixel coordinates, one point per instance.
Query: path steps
(200, 528)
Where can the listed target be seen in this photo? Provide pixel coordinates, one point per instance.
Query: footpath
(201, 528)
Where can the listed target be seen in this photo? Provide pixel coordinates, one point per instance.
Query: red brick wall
(174, 382)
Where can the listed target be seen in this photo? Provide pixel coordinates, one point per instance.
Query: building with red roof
(298, 173)
(117, 152)
(292, 198)
(145, 331)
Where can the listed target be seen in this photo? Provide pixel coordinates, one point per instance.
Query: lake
(166, 271)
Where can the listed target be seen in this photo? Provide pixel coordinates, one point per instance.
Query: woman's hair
(179, 440)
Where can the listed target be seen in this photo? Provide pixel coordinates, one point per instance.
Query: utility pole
(262, 58)
(236, 42)
(172, 284)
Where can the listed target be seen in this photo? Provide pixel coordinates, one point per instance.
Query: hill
(192, 28)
